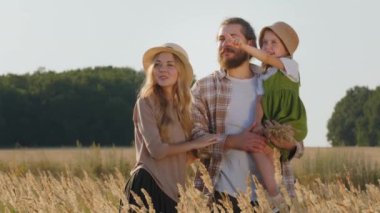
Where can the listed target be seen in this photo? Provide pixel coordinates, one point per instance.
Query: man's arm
(296, 151)
(201, 122)
(246, 141)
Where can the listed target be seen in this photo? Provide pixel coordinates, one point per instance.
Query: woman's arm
(148, 130)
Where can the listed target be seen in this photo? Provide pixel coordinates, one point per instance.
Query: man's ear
(252, 43)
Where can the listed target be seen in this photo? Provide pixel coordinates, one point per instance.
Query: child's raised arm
(256, 53)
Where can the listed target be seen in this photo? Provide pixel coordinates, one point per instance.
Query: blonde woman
(163, 124)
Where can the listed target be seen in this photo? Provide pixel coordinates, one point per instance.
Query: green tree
(57, 109)
(372, 114)
(347, 113)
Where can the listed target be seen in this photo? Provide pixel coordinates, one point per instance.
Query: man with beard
(224, 104)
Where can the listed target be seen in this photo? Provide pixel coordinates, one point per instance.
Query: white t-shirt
(291, 71)
(236, 165)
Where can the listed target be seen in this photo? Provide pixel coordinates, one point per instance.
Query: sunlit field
(91, 179)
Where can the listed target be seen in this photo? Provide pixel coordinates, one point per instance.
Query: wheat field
(92, 179)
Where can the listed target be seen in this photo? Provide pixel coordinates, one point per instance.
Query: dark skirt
(141, 179)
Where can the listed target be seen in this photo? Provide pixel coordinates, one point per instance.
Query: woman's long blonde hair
(181, 100)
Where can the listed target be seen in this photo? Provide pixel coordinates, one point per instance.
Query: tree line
(356, 119)
(95, 105)
(47, 109)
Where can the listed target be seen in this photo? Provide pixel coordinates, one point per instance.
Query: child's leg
(264, 164)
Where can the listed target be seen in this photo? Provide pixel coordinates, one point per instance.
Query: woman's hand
(204, 141)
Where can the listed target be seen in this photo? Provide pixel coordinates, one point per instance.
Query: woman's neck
(168, 94)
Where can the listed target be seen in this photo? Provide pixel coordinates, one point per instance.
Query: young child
(279, 99)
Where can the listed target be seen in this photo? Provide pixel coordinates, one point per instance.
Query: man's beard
(239, 58)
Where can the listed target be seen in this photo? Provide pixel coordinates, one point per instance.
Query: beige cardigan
(151, 151)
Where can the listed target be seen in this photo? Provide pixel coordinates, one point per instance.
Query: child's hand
(281, 135)
(235, 42)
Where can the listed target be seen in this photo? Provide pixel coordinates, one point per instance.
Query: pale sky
(338, 39)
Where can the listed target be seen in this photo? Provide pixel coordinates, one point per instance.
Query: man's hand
(247, 141)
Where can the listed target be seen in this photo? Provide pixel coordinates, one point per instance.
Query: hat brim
(151, 53)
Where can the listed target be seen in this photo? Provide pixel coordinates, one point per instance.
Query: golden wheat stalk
(148, 200)
(280, 132)
(205, 177)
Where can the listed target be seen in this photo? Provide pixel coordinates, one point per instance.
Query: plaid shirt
(211, 98)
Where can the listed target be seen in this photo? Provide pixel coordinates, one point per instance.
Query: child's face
(272, 45)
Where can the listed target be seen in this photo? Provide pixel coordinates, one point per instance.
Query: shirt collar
(222, 73)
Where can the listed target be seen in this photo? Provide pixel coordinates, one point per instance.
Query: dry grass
(64, 155)
(43, 191)
(94, 160)
(361, 164)
(68, 193)
(372, 154)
